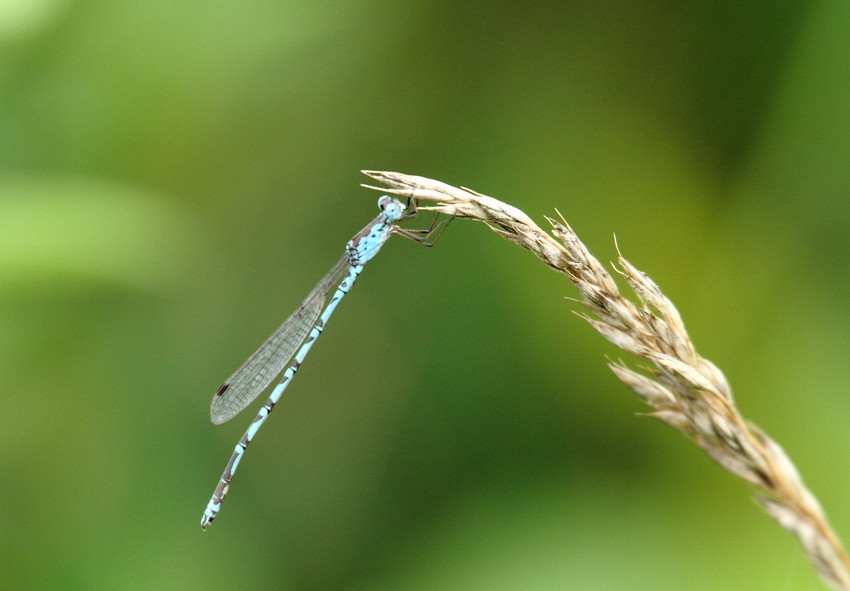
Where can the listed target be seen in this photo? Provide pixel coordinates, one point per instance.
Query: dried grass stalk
(686, 391)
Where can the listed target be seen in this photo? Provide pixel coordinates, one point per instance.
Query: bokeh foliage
(174, 176)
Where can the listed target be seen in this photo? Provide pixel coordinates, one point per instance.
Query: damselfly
(292, 339)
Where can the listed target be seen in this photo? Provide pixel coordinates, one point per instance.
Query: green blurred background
(175, 176)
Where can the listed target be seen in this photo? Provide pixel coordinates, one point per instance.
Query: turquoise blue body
(359, 250)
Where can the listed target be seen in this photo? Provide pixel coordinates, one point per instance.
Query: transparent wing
(258, 371)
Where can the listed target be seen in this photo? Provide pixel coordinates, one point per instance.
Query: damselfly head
(392, 208)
